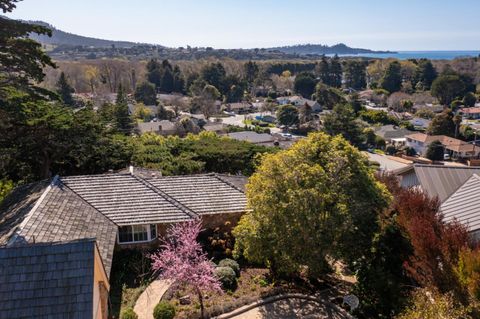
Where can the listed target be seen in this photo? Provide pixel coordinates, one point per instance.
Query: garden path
(150, 298)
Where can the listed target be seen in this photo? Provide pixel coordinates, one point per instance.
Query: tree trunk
(202, 308)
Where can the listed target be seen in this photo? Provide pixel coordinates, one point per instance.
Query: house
(471, 113)
(252, 137)
(102, 212)
(392, 133)
(53, 280)
(457, 148)
(420, 123)
(163, 127)
(216, 127)
(388, 163)
(299, 101)
(463, 205)
(239, 107)
(439, 181)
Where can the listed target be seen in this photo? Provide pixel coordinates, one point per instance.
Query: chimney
(130, 169)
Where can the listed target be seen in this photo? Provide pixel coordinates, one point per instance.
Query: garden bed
(253, 284)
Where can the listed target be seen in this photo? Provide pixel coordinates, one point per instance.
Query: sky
(373, 24)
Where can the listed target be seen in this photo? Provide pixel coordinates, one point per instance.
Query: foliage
(6, 187)
(287, 115)
(227, 262)
(435, 151)
(392, 79)
(65, 90)
(128, 313)
(468, 272)
(442, 124)
(305, 84)
(182, 260)
(204, 99)
(142, 112)
(164, 310)
(226, 275)
(123, 121)
(410, 151)
(377, 117)
(469, 99)
(425, 113)
(425, 74)
(342, 121)
(146, 94)
(355, 74)
(319, 196)
(429, 304)
(327, 96)
(447, 87)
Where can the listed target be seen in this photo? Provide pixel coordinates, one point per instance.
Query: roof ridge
(228, 183)
(86, 202)
(184, 208)
(14, 236)
(54, 243)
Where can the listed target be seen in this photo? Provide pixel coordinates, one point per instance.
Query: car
(446, 157)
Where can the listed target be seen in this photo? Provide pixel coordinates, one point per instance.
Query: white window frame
(149, 235)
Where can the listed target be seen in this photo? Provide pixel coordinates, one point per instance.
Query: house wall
(100, 289)
(418, 146)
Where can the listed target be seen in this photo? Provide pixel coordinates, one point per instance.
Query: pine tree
(123, 120)
(336, 72)
(392, 79)
(65, 90)
(323, 71)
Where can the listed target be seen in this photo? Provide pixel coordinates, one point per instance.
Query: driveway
(295, 308)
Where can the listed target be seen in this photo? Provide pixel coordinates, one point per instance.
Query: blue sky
(374, 24)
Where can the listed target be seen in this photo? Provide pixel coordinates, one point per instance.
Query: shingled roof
(61, 215)
(127, 199)
(47, 280)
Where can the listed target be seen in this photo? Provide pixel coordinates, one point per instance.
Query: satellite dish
(352, 301)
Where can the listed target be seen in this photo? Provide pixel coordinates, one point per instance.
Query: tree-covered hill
(319, 49)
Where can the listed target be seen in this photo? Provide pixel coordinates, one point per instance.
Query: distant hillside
(62, 38)
(319, 49)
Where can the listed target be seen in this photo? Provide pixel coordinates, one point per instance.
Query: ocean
(432, 55)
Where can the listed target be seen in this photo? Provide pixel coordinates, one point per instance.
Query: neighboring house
(463, 205)
(216, 127)
(239, 107)
(457, 148)
(420, 123)
(436, 180)
(53, 280)
(388, 163)
(252, 137)
(163, 127)
(299, 101)
(392, 132)
(471, 113)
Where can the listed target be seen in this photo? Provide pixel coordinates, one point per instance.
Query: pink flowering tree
(182, 260)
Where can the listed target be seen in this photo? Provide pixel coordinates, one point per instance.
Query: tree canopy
(318, 196)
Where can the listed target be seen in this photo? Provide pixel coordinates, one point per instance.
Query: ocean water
(432, 55)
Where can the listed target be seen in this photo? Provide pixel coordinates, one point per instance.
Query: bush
(128, 313)
(227, 277)
(410, 151)
(391, 150)
(227, 262)
(164, 310)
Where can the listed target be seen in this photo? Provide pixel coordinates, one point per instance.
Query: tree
(392, 78)
(469, 99)
(336, 72)
(178, 80)
(442, 124)
(305, 114)
(356, 103)
(251, 72)
(355, 75)
(205, 100)
(123, 120)
(425, 74)
(65, 90)
(342, 121)
(323, 71)
(448, 87)
(142, 112)
(319, 196)
(214, 74)
(435, 151)
(287, 115)
(154, 72)
(168, 81)
(305, 84)
(146, 93)
(183, 261)
(327, 96)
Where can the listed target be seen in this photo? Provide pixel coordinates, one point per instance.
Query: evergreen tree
(123, 120)
(323, 71)
(355, 75)
(442, 124)
(251, 72)
(167, 85)
(305, 113)
(178, 80)
(154, 72)
(146, 93)
(65, 90)
(342, 121)
(448, 87)
(392, 79)
(215, 74)
(336, 72)
(305, 84)
(425, 73)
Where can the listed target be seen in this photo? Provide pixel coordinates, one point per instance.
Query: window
(137, 233)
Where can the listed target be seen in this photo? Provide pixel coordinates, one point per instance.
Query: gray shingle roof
(464, 204)
(62, 215)
(125, 199)
(203, 194)
(252, 137)
(443, 181)
(47, 280)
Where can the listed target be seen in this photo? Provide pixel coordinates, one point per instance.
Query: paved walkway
(293, 308)
(150, 298)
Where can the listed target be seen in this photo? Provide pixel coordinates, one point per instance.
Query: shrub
(227, 277)
(128, 313)
(410, 151)
(227, 262)
(391, 150)
(164, 310)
